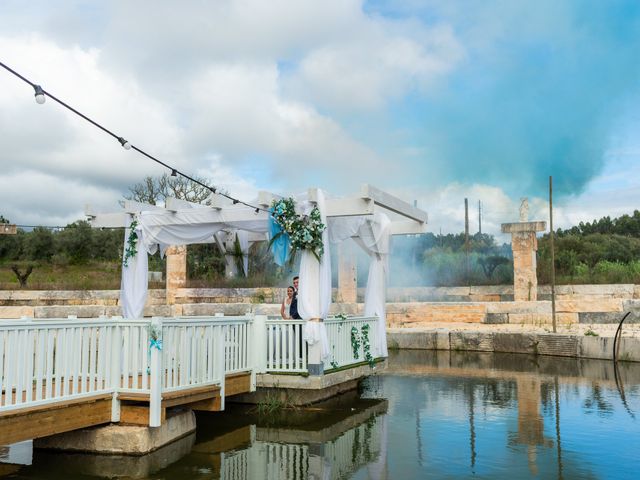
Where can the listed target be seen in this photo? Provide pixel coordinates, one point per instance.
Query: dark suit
(293, 309)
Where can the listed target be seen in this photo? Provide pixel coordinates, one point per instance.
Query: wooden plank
(138, 415)
(109, 220)
(237, 383)
(40, 422)
(408, 227)
(390, 202)
(209, 405)
(190, 398)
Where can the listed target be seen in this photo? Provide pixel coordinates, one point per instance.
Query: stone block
(471, 341)
(399, 314)
(484, 298)
(515, 342)
(419, 340)
(530, 318)
(567, 318)
(63, 311)
(631, 306)
(636, 292)
(16, 312)
(497, 318)
(629, 349)
(595, 347)
(611, 291)
(590, 305)
(559, 345)
(122, 439)
(491, 290)
(519, 307)
(601, 317)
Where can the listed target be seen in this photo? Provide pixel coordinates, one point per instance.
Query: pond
(430, 415)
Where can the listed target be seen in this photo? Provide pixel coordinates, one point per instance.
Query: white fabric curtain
(372, 234)
(162, 229)
(243, 239)
(134, 283)
(314, 292)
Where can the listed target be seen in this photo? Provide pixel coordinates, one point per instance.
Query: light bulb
(126, 145)
(40, 97)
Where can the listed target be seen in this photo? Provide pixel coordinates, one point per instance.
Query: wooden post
(553, 256)
(466, 238)
(155, 377)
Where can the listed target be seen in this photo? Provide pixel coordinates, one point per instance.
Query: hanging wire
(174, 171)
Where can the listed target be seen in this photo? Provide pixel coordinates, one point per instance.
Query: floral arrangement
(132, 244)
(304, 231)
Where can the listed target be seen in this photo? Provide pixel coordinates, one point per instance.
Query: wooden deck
(50, 419)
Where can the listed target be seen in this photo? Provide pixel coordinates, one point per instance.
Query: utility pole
(553, 256)
(466, 237)
(479, 217)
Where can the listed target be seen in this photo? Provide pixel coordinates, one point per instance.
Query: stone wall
(407, 307)
(532, 343)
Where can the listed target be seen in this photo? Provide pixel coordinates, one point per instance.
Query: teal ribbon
(153, 343)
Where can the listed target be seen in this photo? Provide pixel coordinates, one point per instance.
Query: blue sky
(434, 100)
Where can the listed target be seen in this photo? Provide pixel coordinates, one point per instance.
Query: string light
(126, 145)
(41, 94)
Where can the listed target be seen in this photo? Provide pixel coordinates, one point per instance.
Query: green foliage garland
(304, 231)
(132, 244)
(355, 342)
(362, 338)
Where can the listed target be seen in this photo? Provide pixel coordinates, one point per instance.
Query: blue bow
(155, 343)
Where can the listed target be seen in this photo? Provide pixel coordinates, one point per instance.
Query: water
(431, 415)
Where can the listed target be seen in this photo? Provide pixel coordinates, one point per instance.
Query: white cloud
(380, 62)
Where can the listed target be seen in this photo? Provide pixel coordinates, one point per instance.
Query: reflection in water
(444, 415)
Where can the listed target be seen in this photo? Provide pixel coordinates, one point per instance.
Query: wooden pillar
(347, 274)
(176, 271)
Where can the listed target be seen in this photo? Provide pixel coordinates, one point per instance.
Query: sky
(432, 100)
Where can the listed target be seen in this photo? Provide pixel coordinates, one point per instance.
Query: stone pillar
(347, 274)
(524, 245)
(176, 271)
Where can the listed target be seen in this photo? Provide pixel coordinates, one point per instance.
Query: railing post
(116, 369)
(155, 376)
(221, 345)
(259, 344)
(315, 365)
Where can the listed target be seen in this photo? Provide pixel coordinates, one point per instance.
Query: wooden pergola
(406, 219)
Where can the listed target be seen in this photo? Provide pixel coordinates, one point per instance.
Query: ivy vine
(132, 244)
(355, 342)
(359, 338)
(366, 346)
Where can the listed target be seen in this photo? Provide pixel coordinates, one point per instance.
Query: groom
(293, 309)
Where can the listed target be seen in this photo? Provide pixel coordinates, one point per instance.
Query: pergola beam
(392, 203)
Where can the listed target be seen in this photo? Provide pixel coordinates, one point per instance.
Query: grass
(92, 276)
(590, 333)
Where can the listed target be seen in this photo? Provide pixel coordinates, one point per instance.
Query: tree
(156, 189)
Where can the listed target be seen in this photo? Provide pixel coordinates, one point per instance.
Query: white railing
(56, 360)
(47, 361)
(286, 350)
(341, 346)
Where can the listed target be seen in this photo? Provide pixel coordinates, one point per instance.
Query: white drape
(162, 229)
(314, 292)
(372, 234)
(133, 286)
(243, 240)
